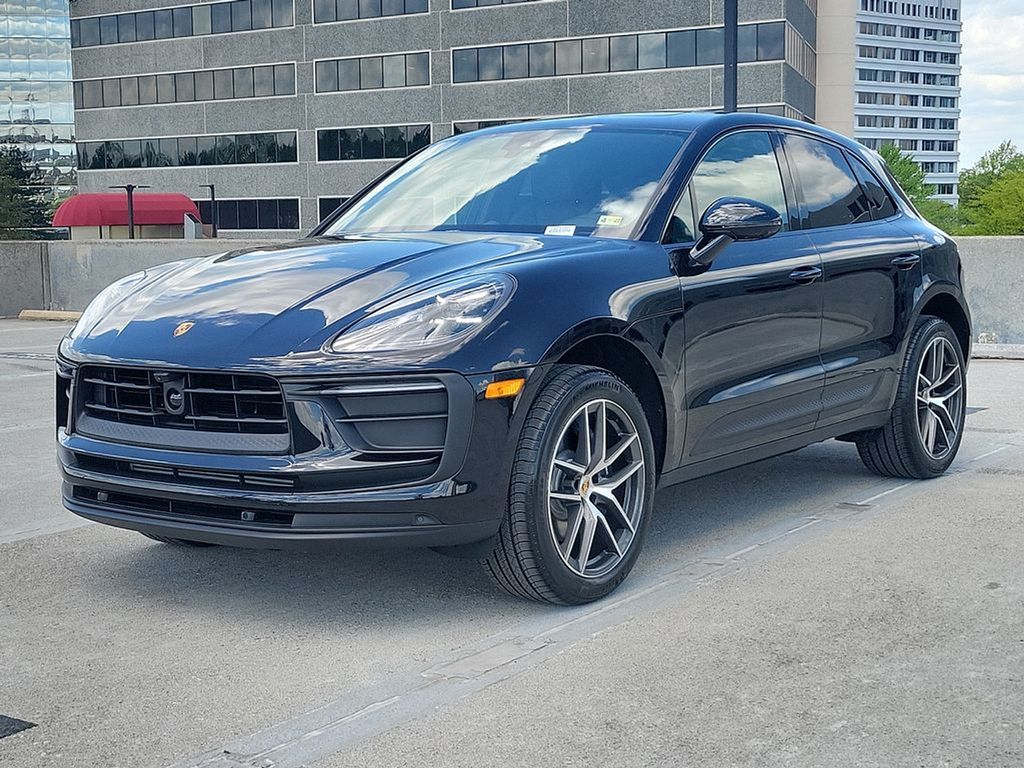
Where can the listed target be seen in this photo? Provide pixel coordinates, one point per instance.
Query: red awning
(111, 209)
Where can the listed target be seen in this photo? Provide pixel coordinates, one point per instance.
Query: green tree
(21, 210)
(1000, 209)
(976, 182)
(908, 173)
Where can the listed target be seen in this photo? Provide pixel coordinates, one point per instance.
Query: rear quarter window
(831, 196)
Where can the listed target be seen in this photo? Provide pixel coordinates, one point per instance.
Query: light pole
(130, 189)
(214, 217)
(731, 54)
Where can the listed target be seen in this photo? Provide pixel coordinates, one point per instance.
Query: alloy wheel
(596, 486)
(940, 397)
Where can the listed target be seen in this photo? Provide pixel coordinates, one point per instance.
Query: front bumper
(321, 491)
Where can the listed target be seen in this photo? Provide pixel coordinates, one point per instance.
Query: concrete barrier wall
(994, 279)
(68, 274)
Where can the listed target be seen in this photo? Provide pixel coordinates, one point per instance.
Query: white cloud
(992, 99)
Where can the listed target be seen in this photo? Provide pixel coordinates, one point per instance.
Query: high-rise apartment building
(288, 105)
(36, 111)
(907, 83)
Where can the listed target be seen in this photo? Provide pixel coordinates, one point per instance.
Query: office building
(36, 111)
(287, 106)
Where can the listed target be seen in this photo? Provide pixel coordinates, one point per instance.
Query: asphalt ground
(796, 612)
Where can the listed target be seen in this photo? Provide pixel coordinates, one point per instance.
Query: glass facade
(35, 87)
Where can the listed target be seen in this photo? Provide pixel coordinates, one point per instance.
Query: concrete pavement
(799, 611)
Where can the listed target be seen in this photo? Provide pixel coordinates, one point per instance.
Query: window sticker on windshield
(560, 229)
(609, 221)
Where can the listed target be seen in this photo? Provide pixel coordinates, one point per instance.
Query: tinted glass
(129, 91)
(223, 84)
(184, 86)
(327, 147)
(568, 57)
(831, 195)
(595, 55)
(182, 22)
(882, 205)
(165, 89)
(464, 66)
(283, 13)
(147, 89)
(243, 83)
(394, 71)
(681, 228)
(417, 69)
(163, 22)
(284, 79)
(710, 46)
(111, 93)
(517, 61)
(771, 41)
(682, 49)
(263, 81)
(204, 86)
(581, 180)
(371, 72)
(221, 17)
(622, 54)
(348, 75)
(373, 143)
(201, 20)
(126, 27)
(262, 14)
(241, 16)
(651, 50)
(741, 165)
(144, 27)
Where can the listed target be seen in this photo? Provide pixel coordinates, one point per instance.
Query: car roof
(706, 123)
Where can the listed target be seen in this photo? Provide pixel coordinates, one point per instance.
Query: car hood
(268, 302)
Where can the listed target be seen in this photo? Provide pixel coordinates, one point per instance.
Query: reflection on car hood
(273, 301)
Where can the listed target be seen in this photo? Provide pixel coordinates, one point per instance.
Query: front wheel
(926, 425)
(581, 492)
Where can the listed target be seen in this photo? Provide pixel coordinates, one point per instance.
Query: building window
(615, 53)
(371, 143)
(468, 127)
(328, 205)
(945, 189)
(278, 213)
(327, 11)
(181, 87)
(459, 4)
(186, 21)
(398, 70)
(189, 151)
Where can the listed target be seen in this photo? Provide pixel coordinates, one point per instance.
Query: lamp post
(214, 213)
(731, 54)
(130, 189)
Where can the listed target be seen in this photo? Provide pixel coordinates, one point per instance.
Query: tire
(527, 559)
(178, 542)
(900, 448)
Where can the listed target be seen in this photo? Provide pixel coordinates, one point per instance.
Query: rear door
(753, 318)
(871, 265)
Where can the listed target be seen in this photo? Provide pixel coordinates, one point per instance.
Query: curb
(48, 314)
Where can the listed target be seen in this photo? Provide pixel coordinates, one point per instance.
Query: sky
(992, 98)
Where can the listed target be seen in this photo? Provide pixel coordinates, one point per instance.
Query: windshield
(558, 181)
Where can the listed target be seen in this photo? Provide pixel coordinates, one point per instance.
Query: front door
(753, 319)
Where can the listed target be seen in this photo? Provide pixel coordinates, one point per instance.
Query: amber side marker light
(507, 388)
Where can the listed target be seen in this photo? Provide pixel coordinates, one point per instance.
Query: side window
(831, 194)
(882, 204)
(740, 165)
(680, 227)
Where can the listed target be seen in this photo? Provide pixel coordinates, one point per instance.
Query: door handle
(805, 275)
(907, 261)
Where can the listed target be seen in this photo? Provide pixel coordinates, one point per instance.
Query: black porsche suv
(503, 346)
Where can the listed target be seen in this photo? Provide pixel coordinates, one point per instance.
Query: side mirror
(732, 219)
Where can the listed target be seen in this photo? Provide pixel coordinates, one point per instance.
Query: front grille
(173, 508)
(233, 403)
(184, 475)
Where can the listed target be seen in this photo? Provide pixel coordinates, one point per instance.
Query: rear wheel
(926, 425)
(581, 493)
(177, 542)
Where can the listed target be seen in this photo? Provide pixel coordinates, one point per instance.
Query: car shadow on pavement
(365, 586)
